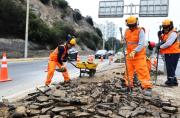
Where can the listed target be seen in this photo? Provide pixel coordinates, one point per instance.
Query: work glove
(132, 54)
(159, 33)
(159, 44)
(63, 68)
(68, 59)
(148, 58)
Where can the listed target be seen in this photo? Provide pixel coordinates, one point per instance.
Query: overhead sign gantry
(154, 8)
(146, 8)
(111, 9)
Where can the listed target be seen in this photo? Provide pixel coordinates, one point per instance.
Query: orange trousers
(140, 67)
(51, 68)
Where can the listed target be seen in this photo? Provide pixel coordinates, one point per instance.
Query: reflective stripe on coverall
(53, 62)
(138, 63)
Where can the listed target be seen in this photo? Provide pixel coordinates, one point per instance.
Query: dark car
(72, 54)
(100, 53)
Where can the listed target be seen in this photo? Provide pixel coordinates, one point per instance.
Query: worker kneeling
(136, 55)
(57, 57)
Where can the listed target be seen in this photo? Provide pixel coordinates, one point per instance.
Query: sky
(151, 24)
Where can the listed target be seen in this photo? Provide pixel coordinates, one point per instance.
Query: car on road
(111, 53)
(100, 53)
(119, 55)
(72, 54)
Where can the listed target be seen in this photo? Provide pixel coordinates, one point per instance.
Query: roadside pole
(103, 44)
(26, 32)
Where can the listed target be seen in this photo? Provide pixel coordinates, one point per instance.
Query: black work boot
(175, 81)
(136, 81)
(126, 89)
(169, 82)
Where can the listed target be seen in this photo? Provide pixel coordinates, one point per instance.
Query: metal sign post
(26, 32)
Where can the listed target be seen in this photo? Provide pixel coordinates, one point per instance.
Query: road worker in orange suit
(170, 47)
(57, 57)
(149, 53)
(136, 55)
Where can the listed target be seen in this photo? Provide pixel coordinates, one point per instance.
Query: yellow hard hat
(166, 22)
(131, 20)
(72, 41)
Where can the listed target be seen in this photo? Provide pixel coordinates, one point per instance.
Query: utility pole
(112, 43)
(104, 37)
(103, 43)
(148, 34)
(115, 46)
(131, 7)
(26, 32)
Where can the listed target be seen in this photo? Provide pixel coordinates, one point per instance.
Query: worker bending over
(57, 57)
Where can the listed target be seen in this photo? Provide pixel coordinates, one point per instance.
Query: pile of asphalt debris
(78, 99)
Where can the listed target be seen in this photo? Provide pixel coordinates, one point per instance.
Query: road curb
(26, 59)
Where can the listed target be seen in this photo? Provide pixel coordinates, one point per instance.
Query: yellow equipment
(85, 67)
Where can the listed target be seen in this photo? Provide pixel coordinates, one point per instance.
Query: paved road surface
(28, 75)
(161, 67)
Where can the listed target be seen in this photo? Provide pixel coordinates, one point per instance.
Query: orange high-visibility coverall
(149, 65)
(53, 62)
(137, 64)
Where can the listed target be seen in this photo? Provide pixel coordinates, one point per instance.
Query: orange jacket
(174, 48)
(53, 56)
(132, 39)
(59, 54)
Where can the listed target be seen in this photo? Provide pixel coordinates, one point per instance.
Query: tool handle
(159, 38)
(72, 64)
(120, 29)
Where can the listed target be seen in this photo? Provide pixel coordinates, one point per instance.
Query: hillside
(49, 23)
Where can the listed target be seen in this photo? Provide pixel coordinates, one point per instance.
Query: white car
(119, 55)
(100, 53)
(111, 52)
(72, 54)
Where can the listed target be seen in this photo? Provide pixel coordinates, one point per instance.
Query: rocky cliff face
(50, 14)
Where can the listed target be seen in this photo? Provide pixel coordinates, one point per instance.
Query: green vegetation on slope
(12, 24)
